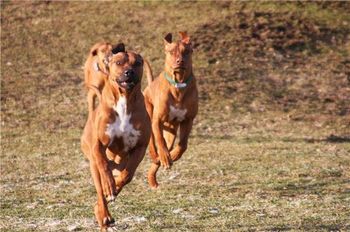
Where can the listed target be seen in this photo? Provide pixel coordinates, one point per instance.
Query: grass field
(270, 147)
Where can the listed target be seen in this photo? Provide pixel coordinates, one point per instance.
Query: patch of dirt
(275, 60)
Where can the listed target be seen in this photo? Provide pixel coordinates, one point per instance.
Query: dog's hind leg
(91, 100)
(152, 146)
(152, 172)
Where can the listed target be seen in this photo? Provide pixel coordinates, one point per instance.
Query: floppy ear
(184, 37)
(168, 38)
(93, 50)
(120, 47)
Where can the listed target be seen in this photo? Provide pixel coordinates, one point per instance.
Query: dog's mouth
(179, 73)
(179, 69)
(127, 83)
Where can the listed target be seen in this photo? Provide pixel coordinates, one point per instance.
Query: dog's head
(101, 51)
(125, 68)
(178, 53)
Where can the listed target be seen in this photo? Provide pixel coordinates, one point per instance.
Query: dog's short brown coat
(117, 131)
(95, 70)
(171, 108)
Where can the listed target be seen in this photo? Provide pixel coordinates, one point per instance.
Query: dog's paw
(154, 186)
(108, 221)
(111, 198)
(103, 217)
(166, 162)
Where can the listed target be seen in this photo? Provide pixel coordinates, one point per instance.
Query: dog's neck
(186, 78)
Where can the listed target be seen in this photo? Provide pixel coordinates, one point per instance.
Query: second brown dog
(95, 70)
(172, 104)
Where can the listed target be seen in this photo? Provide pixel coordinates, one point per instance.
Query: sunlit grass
(248, 167)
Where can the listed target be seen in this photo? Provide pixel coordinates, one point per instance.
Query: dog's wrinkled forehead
(125, 57)
(120, 56)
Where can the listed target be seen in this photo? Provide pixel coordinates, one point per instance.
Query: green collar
(177, 85)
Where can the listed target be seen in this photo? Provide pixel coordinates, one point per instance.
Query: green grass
(269, 150)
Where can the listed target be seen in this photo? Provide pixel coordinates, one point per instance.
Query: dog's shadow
(331, 139)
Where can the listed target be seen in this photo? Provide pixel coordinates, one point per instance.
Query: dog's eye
(138, 63)
(187, 52)
(119, 63)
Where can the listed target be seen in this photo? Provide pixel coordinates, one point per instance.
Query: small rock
(177, 211)
(214, 210)
(173, 176)
(53, 223)
(136, 219)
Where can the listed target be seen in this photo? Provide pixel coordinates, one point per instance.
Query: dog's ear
(120, 47)
(168, 38)
(184, 37)
(94, 49)
(94, 52)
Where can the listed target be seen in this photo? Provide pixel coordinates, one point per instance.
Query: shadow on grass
(261, 139)
(294, 189)
(331, 139)
(309, 226)
(314, 224)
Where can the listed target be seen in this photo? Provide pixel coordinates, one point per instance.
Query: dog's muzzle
(128, 80)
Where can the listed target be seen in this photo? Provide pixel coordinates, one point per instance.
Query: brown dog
(172, 102)
(95, 70)
(117, 132)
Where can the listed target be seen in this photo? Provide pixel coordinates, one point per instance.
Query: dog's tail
(148, 70)
(93, 92)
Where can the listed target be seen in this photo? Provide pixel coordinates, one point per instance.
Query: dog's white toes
(105, 221)
(111, 198)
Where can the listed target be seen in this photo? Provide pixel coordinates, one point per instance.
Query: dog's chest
(176, 113)
(122, 128)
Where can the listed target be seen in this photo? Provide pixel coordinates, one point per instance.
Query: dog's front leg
(102, 214)
(126, 175)
(185, 130)
(163, 151)
(106, 176)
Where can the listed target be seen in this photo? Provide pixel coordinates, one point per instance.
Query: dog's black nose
(129, 73)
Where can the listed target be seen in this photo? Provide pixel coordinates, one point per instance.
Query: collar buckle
(180, 85)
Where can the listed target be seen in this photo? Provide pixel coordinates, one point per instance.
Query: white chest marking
(121, 127)
(177, 113)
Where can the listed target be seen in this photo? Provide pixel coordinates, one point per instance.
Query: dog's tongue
(179, 75)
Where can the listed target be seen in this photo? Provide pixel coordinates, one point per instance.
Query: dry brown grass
(270, 147)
